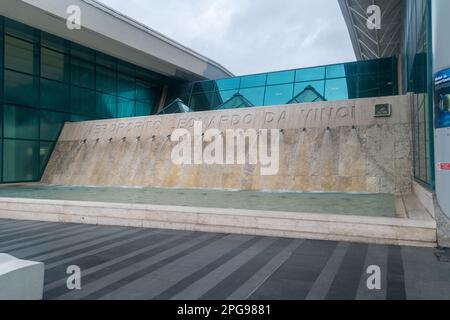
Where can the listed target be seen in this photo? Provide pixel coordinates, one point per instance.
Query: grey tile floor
(129, 263)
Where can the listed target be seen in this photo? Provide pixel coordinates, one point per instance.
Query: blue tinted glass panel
(106, 105)
(20, 89)
(82, 73)
(202, 101)
(83, 101)
(368, 86)
(336, 71)
(53, 42)
(53, 65)
(19, 55)
(336, 89)
(106, 80)
(365, 67)
(78, 118)
(310, 74)
(144, 92)
(20, 30)
(280, 94)
(280, 77)
(20, 160)
(21, 123)
(82, 52)
(205, 86)
(318, 86)
(125, 108)
(143, 109)
(51, 124)
(106, 61)
(228, 84)
(126, 87)
(253, 81)
(225, 95)
(126, 69)
(55, 95)
(254, 95)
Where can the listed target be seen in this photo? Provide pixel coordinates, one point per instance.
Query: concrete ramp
(327, 146)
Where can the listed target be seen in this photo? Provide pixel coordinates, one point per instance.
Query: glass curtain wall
(417, 53)
(47, 81)
(334, 82)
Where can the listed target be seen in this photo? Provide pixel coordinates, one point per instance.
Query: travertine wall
(375, 156)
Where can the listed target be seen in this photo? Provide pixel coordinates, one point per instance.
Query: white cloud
(249, 36)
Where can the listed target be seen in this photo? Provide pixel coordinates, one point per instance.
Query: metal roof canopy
(115, 34)
(374, 44)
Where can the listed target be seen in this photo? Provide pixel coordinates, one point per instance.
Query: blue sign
(442, 99)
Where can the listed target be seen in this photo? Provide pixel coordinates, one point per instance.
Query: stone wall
(325, 146)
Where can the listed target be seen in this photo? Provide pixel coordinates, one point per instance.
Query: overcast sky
(250, 36)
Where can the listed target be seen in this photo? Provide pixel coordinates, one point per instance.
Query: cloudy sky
(250, 36)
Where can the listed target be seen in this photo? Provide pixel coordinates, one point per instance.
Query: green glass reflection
(51, 124)
(280, 77)
(126, 87)
(336, 71)
(106, 80)
(20, 89)
(21, 123)
(143, 108)
(53, 42)
(254, 81)
(144, 91)
(81, 52)
(204, 86)
(53, 65)
(254, 95)
(223, 96)
(55, 95)
(20, 30)
(20, 160)
(82, 101)
(310, 74)
(280, 94)
(106, 105)
(228, 84)
(19, 55)
(125, 108)
(82, 73)
(336, 89)
(318, 86)
(368, 86)
(68, 82)
(202, 101)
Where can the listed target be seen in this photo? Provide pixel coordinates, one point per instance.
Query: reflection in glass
(310, 74)
(280, 94)
(254, 95)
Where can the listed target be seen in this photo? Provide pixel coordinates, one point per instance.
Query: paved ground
(128, 263)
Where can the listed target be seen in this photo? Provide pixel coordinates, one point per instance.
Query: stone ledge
(395, 231)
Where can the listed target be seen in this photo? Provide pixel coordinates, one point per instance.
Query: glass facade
(417, 69)
(335, 82)
(46, 81)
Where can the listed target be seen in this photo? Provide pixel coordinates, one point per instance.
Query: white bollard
(20, 279)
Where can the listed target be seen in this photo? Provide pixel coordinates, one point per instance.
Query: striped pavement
(144, 264)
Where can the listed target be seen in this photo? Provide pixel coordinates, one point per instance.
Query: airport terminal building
(115, 67)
